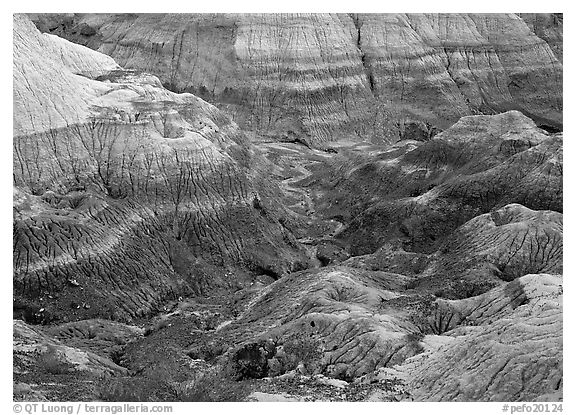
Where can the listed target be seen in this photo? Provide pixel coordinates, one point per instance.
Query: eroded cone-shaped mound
(502, 245)
(417, 193)
(514, 355)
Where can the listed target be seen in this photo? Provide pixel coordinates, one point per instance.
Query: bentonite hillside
(348, 207)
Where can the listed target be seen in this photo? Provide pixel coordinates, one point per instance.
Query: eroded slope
(319, 77)
(133, 194)
(433, 264)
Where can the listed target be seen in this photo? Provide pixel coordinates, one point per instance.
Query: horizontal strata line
(261, 73)
(306, 64)
(116, 234)
(304, 85)
(105, 246)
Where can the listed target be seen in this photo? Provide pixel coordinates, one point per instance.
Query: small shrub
(50, 362)
(302, 349)
(206, 350)
(251, 361)
(216, 386)
(413, 340)
(414, 337)
(134, 389)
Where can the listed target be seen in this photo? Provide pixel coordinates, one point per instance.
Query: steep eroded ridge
(132, 194)
(326, 77)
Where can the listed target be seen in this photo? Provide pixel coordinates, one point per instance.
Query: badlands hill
(161, 252)
(319, 77)
(126, 192)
